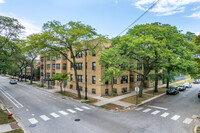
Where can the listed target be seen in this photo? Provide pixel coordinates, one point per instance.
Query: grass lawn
(198, 129)
(16, 131)
(111, 106)
(160, 91)
(4, 117)
(132, 99)
(75, 96)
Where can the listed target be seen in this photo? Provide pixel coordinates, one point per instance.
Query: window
(94, 52)
(93, 65)
(80, 78)
(48, 75)
(48, 58)
(64, 66)
(85, 78)
(124, 79)
(58, 84)
(115, 90)
(53, 74)
(41, 73)
(79, 66)
(48, 66)
(53, 58)
(42, 59)
(53, 66)
(131, 78)
(72, 55)
(93, 91)
(86, 52)
(139, 77)
(71, 77)
(85, 65)
(71, 66)
(64, 57)
(58, 57)
(139, 66)
(124, 90)
(57, 66)
(93, 79)
(115, 80)
(41, 67)
(106, 82)
(79, 55)
(71, 86)
(80, 88)
(106, 91)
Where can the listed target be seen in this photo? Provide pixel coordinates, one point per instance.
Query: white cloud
(164, 7)
(194, 9)
(30, 27)
(195, 15)
(116, 1)
(2, 1)
(197, 33)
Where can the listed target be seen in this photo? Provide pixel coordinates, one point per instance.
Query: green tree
(71, 38)
(189, 36)
(60, 77)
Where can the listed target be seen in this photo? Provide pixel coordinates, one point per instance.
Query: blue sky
(109, 17)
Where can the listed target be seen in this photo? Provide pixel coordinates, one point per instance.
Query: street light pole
(85, 77)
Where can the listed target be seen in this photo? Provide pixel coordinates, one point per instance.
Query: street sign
(137, 89)
(65, 81)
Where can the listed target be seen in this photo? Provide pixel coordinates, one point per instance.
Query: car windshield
(180, 86)
(171, 88)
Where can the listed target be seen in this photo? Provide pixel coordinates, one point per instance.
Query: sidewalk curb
(12, 116)
(151, 99)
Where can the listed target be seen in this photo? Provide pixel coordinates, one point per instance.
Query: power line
(155, 3)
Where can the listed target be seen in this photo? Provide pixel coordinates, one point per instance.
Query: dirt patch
(132, 99)
(111, 106)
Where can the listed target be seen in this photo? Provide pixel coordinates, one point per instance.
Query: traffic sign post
(137, 89)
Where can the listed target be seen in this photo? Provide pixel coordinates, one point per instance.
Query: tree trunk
(76, 78)
(141, 86)
(21, 74)
(168, 75)
(61, 87)
(156, 80)
(31, 72)
(25, 74)
(112, 86)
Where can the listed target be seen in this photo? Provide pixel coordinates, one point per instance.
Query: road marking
(187, 121)
(45, 118)
(12, 99)
(70, 110)
(85, 107)
(165, 114)
(138, 109)
(79, 109)
(158, 107)
(155, 112)
(175, 117)
(54, 115)
(26, 109)
(32, 114)
(146, 110)
(63, 112)
(33, 121)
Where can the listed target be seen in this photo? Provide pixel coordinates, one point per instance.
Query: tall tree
(71, 39)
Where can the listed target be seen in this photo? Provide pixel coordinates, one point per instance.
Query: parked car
(13, 81)
(181, 87)
(199, 94)
(196, 81)
(172, 90)
(187, 85)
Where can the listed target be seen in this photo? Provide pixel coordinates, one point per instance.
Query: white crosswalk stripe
(187, 121)
(175, 117)
(165, 114)
(63, 112)
(146, 110)
(138, 109)
(54, 115)
(79, 109)
(44, 117)
(85, 107)
(155, 112)
(33, 121)
(70, 110)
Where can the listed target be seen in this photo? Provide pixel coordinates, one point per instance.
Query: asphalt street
(39, 111)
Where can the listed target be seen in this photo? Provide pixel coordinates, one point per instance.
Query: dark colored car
(172, 90)
(13, 81)
(199, 94)
(181, 87)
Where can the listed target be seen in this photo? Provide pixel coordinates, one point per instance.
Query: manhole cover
(32, 125)
(10, 107)
(77, 120)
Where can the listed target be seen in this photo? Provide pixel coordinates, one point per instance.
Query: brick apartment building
(51, 65)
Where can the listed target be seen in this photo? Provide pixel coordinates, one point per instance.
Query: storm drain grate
(77, 119)
(32, 125)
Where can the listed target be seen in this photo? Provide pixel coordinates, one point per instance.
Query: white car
(13, 81)
(187, 85)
